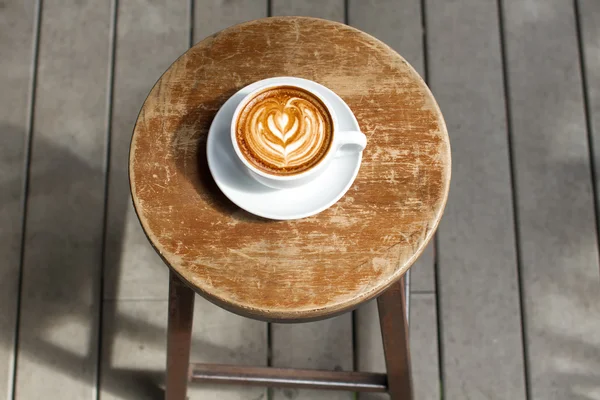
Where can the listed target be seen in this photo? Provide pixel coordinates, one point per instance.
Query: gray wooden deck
(506, 307)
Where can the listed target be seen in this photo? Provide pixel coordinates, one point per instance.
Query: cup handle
(349, 142)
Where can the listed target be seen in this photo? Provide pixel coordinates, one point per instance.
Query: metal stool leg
(179, 335)
(394, 331)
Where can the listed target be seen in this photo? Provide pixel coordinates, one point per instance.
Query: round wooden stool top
(302, 269)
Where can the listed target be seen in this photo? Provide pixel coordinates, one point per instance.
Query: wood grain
(326, 344)
(399, 24)
(241, 341)
(334, 260)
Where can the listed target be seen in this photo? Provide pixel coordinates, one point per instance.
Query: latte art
(284, 130)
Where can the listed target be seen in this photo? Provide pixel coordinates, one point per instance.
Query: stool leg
(394, 331)
(179, 335)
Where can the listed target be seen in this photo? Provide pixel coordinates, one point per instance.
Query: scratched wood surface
(326, 344)
(220, 336)
(382, 18)
(58, 341)
(334, 260)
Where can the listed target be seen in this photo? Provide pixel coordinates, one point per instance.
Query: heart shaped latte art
(285, 133)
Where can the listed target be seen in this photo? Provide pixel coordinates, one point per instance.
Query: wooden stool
(298, 270)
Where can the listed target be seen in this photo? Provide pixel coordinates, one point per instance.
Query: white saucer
(235, 182)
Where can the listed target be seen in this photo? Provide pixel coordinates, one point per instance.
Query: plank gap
(424, 293)
(192, 13)
(434, 240)
(425, 45)
(354, 341)
(346, 13)
(438, 317)
(513, 185)
(25, 191)
(107, 148)
(588, 113)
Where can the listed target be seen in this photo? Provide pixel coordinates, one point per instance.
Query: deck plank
(399, 26)
(589, 23)
(324, 344)
(135, 309)
(17, 38)
(424, 346)
(134, 365)
(557, 231)
(423, 338)
(326, 9)
(477, 263)
(148, 38)
(214, 15)
(58, 336)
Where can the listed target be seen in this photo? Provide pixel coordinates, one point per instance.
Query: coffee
(284, 130)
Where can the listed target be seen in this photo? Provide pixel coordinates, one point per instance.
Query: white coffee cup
(343, 143)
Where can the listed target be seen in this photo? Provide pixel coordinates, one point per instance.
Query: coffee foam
(284, 130)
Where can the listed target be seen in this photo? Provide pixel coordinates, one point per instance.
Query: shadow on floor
(62, 267)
